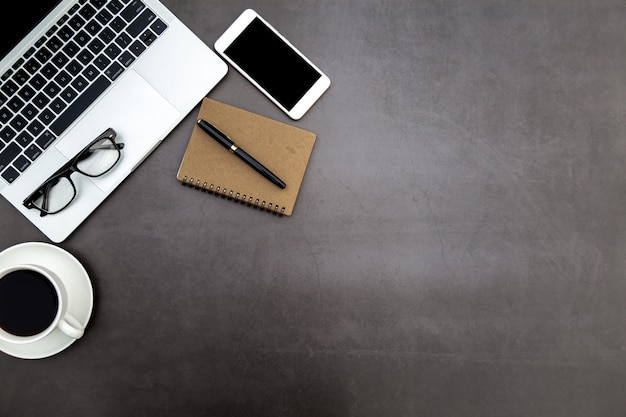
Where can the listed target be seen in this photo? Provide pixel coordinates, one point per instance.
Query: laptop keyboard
(65, 71)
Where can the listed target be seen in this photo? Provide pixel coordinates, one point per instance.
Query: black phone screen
(272, 64)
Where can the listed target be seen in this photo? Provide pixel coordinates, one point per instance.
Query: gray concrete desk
(457, 249)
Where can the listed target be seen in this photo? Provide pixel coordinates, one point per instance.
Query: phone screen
(272, 64)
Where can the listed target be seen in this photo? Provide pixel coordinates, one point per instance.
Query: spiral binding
(233, 196)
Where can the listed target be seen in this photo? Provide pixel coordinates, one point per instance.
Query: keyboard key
(137, 48)
(114, 6)
(47, 117)
(79, 83)
(87, 11)
(5, 115)
(62, 79)
(101, 61)
(95, 46)
(77, 22)
(158, 26)
(126, 58)
(21, 163)
(71, 49)
(9, 88)
(30, 111)
(37, 82)
(138, 26)
(49, 70)
(114, 71)
(45, 139)
(26, 92)
(112, 51)
(104, 17)
(18, 123)
(74, 67)
(40, 42)
(15, 104)
(60, 60)
(58, 105)
(118, 24)
(54, 44)
(51, 89)
(69, 94)
(85, 56)
(35, 128)
(97, 3)
(90, 72)
(82, 38)
(93, 27)
(62, 20)
(8, 154)
(6, 75)
(123, 40)
(147, 37)
(132, 10)
(29, 52)
(76, 108)
(7, 134)
(33, 65)
(10, 174)
(20, 77)
(73, 9)
(65, 33)
(32, 152)
(107, 35)
(17, 63)
(23, 139)
(51, 31)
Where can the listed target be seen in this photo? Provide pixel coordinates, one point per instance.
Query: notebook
(69, 70)
(283, 148)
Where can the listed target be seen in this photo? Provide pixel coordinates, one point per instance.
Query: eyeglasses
(58, 191)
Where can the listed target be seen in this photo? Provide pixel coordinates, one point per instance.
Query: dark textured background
(457, 248)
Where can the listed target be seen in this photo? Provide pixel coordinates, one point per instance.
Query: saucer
(77, 284)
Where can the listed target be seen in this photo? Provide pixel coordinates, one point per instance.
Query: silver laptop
(73, 70)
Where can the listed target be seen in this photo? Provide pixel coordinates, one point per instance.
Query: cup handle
(71, 327)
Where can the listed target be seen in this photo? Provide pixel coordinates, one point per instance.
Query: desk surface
(457, 248)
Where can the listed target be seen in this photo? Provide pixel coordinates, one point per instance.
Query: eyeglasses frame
(68, 169)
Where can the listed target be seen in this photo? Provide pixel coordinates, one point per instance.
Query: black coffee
(28, 303)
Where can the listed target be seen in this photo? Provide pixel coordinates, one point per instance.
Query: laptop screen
(24, 16)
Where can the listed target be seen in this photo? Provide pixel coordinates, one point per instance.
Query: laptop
(71, 69)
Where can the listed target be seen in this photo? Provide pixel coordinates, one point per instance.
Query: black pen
(216, 134)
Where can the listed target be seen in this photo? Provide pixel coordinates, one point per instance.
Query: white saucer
(77, 284)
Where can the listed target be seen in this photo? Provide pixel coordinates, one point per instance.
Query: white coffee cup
(33, 303)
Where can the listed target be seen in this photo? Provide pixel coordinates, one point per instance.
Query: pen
(216, 134)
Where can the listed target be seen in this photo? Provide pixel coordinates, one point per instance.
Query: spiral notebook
(283, 148)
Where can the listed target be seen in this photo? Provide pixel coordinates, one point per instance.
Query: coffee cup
(33, 303)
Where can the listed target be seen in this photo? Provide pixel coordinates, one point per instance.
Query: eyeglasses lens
(98, 158)
(56, 195)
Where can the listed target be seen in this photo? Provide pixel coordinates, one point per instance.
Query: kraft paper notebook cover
(283, 148)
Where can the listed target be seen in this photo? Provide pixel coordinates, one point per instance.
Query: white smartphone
(270, 62)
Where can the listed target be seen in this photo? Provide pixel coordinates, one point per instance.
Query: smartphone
(271, 63)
